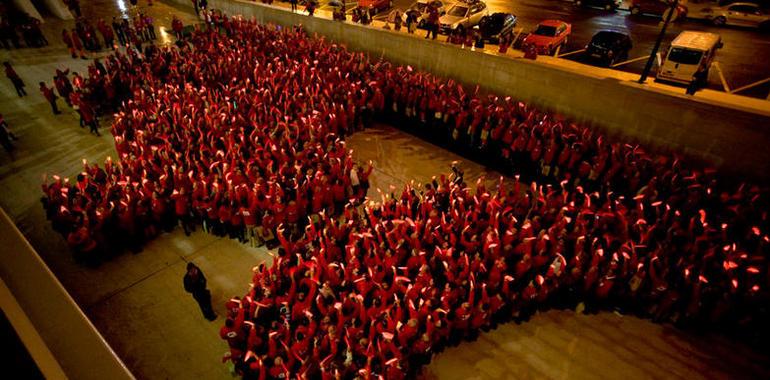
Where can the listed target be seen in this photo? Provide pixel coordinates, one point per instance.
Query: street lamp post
(662, 34)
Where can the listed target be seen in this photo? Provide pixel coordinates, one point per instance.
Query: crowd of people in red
(242, 131)
(138, 31)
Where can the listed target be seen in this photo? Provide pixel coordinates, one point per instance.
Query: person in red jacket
(49, 96)
(88, 117)
(107, 34)
(81, 241)
(182, 210)
(67, 39)
(77, 44)
(279, 369)
(177, 27)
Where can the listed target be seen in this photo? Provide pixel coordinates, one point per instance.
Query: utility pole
(655, 49)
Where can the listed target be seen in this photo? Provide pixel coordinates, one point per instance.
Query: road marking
(629, 61)
(570, 53)
(752, 85)
(722, 77)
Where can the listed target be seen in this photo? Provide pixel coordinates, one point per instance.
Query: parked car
(548, 36)
(494, 26)
(374, 6)
(690, 52)
(656, 8)
(608, 5)
(420, 10)
(462, 16)
(739, 14)
(608, 47)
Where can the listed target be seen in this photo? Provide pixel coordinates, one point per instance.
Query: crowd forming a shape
(241, 130)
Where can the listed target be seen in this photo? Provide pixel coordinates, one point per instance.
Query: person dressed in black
(119, 31)
(699, 79)
(195, 283)
(6, 136)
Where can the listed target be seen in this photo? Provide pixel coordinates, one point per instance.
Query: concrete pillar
(29, 8)
(58, 9)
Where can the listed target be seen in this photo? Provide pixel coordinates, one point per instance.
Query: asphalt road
(744, 59)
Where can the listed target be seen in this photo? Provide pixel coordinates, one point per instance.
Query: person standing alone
(195, 283)
(6, 136)
(18, 84)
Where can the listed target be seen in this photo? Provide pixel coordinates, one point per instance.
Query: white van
(688, 53)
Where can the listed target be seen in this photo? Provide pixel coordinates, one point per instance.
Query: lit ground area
(137, 301)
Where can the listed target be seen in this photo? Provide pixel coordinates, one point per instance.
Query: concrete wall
(29, 8)
(58, 9)
(735, 139)
(79, 349)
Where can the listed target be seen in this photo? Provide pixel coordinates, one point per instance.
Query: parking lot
(742, 62)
